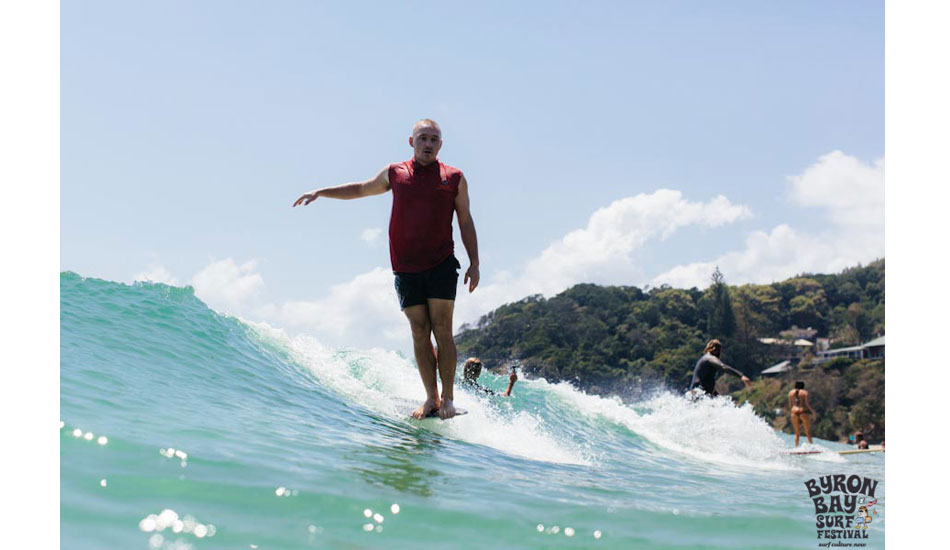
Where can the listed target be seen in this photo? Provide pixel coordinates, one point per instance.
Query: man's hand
(471, 277)
(307, 198)
(747, 382)
(513, 377)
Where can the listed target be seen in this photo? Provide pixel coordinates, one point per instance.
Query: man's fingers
(305, 200)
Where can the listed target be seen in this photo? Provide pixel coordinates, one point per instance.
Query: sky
(609, 142)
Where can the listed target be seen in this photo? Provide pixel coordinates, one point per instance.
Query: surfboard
(435, 413)
(410, 405)
(852, 452)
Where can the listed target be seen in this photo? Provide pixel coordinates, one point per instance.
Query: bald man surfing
(426, 194)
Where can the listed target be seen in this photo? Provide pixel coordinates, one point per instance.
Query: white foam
(384, 381)
(824, 454)
(713, 429)
(708, 429)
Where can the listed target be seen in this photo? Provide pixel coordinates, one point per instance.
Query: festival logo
(845, 506)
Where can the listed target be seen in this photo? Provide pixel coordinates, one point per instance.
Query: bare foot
(426, 408)
(447, 410)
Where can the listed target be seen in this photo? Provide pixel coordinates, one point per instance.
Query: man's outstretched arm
(347, 191)
(467, 229)
(727, 368)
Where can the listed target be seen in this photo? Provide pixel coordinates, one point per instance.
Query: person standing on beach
(426, 194)
(800, 410)
(709, 367)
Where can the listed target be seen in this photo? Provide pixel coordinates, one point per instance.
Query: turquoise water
(186, 429)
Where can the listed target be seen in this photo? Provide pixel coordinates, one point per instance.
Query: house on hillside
(869, 350)
(777, 369)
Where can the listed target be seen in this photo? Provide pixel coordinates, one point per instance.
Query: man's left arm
(727, 368)
(467, 229)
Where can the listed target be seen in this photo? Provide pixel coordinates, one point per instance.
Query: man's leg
(440, 316)
(425, 357)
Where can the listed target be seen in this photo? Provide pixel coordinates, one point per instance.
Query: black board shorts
(440, 282)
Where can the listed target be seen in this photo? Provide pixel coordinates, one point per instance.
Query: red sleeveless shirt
(420, 227)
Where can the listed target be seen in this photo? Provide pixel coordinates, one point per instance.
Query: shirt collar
(417, 166)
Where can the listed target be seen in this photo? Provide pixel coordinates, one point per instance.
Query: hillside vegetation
(625, 340)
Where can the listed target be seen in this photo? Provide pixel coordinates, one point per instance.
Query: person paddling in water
(800, 409)
(426, 194)
(709, 367)
(473, 369)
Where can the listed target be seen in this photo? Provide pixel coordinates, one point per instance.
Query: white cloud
(850, 192)
(156, 274)
(371, 235)
(226, 286)
(361, 312)
(766, 257)
(603, 251)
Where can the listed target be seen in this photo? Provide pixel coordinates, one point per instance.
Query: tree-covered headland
(630, 341)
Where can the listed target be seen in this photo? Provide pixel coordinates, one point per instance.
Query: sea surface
(182, 428)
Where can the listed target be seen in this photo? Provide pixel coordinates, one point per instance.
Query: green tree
(721, 322)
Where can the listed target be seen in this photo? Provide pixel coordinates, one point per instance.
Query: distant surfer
(708, 369)
(800, 410)
(426, 194)
(473, 369)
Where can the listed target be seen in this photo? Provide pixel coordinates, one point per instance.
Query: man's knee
(418, 317)
(421, 328)
(442, 329)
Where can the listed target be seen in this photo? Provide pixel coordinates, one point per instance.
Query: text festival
(836, 498)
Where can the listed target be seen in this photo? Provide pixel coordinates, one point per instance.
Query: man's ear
(410, 142)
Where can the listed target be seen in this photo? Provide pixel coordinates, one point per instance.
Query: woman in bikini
(801, 410)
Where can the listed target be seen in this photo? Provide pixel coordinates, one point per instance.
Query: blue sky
(595, 139)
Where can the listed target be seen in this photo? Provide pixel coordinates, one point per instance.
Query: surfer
(426, 193)
(473, 369)
(709, 367)
(800, 410)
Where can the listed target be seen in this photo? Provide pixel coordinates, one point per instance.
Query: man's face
(426, 142)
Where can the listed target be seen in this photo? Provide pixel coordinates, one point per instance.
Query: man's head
(800, 385)
(714, 347)
(472, 369)
(426, 140)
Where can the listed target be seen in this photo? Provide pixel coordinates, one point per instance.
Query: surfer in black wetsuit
(473, 369)
(709, 367)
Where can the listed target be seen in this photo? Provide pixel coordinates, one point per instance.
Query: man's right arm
(348, 191)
